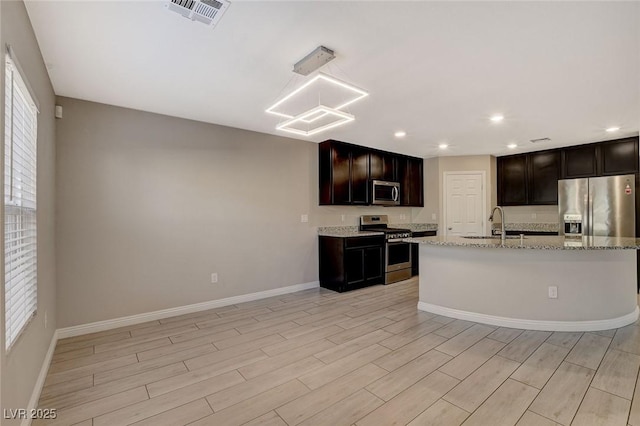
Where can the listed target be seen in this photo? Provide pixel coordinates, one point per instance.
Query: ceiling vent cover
(539, 140)
(208, 12)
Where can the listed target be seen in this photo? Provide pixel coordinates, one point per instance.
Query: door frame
(483, 174)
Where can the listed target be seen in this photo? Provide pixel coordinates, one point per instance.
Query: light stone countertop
(352, 231)
(345, 232)
(535, 242)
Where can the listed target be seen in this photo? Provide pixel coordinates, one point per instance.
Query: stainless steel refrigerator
(600, 206)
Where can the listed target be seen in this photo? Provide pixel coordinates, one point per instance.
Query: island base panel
(510, 288)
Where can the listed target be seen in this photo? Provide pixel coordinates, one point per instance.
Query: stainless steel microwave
(385, 193)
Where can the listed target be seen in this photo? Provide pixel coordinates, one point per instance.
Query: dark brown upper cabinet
(619, 157)
(410, 177)
(359, 176)
(383, 166)
(543, 174)
(580, 161)
(532, 178)
(346, 172)
(512, 180)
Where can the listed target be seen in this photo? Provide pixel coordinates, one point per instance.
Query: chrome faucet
(503, 234)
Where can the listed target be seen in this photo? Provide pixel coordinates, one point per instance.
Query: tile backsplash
(531, 214)
(350, 215)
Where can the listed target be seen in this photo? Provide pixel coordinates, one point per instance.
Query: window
(20, 262)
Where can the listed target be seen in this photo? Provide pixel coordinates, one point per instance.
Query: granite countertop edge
(353, 231)
(532, 243)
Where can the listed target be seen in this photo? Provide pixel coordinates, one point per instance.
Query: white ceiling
(438, 70)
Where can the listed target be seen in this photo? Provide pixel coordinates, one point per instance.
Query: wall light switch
(214, 278)
(304, 218)
(553, 292)
(433, 216)
(342, 217)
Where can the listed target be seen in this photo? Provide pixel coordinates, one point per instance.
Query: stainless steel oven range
(397, 253)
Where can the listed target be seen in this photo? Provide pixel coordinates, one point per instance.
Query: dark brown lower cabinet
(351, 262)
(415, 251)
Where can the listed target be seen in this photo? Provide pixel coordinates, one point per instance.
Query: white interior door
(464, 203)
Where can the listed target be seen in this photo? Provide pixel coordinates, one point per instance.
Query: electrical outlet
(304, 218)
(214, 278)
(433, 216)
(342, 217)
(45, 319)
(533, 215)
(553, 292)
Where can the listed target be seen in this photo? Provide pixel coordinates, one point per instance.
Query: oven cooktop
(380, 223)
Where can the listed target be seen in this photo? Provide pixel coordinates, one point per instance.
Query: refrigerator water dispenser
(573, 225)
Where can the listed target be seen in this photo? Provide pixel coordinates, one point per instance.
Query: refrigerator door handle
(590, 211)
(586, 220)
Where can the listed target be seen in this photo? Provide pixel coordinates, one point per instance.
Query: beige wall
(20, 367)
(150, 206)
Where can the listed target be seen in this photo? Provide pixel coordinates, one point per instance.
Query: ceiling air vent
(208, 12)
(539, 140)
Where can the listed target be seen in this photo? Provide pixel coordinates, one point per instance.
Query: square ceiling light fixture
(317, 104)
(315, 120)
(322, 89)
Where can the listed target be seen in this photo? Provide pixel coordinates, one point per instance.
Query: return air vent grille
(540, 140)
(187, 4)
(206, 11)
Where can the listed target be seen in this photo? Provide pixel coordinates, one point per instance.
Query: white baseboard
(526, 324)
(94, 327)
(37, 388)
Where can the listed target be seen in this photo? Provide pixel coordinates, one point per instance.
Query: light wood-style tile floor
(367, 357)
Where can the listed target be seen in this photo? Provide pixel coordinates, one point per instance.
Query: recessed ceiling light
(512, 146)
(443, 146)
(496, 118)
(613, 129)
(400, 134)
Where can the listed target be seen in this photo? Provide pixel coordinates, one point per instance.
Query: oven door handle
(396, 240)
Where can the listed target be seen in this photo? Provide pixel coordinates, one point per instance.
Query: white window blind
(20, 247)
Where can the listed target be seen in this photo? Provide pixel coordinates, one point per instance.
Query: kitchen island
(511, 283)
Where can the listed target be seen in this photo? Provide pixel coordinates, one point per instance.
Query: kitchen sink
(491, 237)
